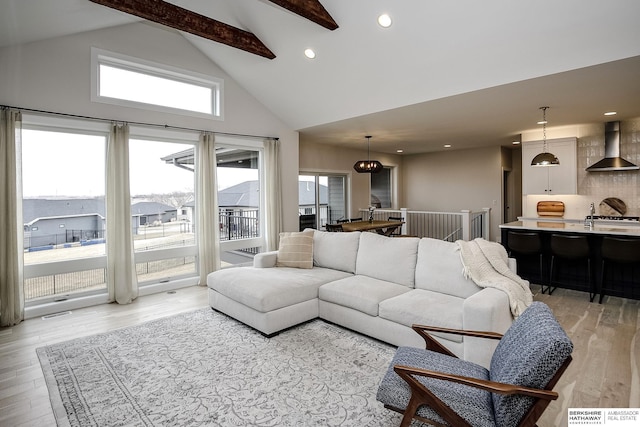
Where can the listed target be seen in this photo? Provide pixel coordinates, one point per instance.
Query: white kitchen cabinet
(560, 179)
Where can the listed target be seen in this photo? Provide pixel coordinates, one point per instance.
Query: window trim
(124, 62)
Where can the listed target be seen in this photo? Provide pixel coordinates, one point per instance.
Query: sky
(67, 164)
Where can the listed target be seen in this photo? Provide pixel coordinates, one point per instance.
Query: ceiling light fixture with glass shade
(368, 166)
(545, 158)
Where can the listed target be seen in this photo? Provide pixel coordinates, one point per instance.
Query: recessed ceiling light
(610, 113)
(384, 20)
(399, 151)
(447, 145)
(542, 122)
(309, 53)
(516, 142)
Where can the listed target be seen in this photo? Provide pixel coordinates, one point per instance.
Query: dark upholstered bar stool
(525, 244)
(571, 248)
(617, 250)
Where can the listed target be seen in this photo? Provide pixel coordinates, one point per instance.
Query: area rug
(205, 369)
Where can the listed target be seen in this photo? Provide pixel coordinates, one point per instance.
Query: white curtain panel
(207, 217)
(274, 193)
(11, 242)
(122, 282)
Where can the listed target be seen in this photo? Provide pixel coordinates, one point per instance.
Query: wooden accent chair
(435, 387)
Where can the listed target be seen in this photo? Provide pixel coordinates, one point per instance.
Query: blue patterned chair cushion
(530, 353)
(472, 404)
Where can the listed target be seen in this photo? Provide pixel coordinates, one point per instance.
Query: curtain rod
(77, 116)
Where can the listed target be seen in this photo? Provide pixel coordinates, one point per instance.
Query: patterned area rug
(205, 369)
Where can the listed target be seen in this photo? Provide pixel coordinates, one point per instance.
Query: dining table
(386, 228)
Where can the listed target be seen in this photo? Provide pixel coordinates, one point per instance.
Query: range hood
(612, 160)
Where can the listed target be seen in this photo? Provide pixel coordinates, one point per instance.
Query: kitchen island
(622, 279)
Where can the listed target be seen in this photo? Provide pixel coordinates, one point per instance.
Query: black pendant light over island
(545, 158)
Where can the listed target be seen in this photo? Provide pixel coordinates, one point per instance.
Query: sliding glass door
(322, 199)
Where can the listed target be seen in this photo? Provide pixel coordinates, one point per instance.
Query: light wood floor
(604, 372)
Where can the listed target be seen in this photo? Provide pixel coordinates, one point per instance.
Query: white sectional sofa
(375, 285)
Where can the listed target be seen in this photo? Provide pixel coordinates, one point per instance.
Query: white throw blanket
(486, 263)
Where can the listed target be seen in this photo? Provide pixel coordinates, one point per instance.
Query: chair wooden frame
(420, 395)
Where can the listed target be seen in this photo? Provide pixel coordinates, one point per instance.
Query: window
(162, 203)
(381, 189)
(121, 80)
(63, 181)
(240, 200)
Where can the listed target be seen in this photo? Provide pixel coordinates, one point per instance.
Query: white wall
(54, 75)
(450, 181)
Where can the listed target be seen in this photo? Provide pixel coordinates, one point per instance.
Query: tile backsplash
(624, 185)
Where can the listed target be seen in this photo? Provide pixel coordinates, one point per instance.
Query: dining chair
(397, 231)
(333, 227)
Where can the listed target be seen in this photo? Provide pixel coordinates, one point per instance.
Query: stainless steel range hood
(612, 160)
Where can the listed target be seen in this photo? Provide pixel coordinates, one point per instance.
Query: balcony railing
(449, 226)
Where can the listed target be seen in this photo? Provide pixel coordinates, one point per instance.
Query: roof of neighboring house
(33, 209)
(247, 194)
(150, 208)
(307, 193)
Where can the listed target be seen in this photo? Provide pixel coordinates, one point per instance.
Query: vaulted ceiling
(462, 72)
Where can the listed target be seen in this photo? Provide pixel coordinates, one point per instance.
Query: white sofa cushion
(295, 250)
(360, 293)
(439, 269)
(388, 258)
(267, 289)
(336, 250)
(425, 308)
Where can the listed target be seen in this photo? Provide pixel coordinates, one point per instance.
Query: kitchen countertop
(631, 229)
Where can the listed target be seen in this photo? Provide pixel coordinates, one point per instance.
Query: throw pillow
(295, 250)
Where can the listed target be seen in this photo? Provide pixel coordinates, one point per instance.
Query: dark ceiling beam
(185, 20)
(310, 9)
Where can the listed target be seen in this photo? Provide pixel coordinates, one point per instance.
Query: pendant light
(368, 166)
(545, 158)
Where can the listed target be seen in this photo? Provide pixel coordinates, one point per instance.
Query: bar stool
(571, 248)
(525, 244)
(617, 251)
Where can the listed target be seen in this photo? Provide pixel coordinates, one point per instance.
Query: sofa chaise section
(271, 298)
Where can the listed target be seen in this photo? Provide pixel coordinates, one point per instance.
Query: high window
(121, 80)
